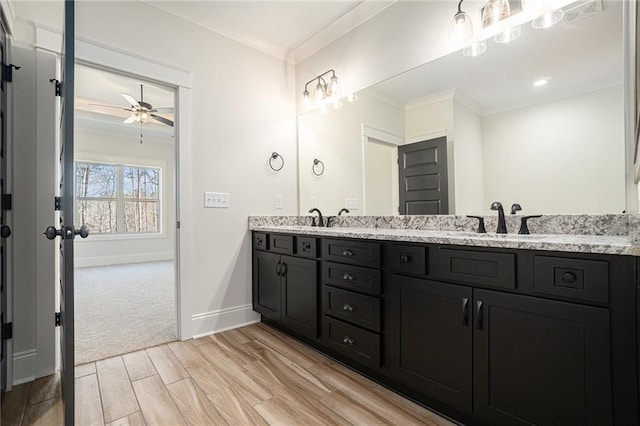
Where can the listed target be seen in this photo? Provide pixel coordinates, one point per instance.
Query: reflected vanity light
(541, 82)
(548, 19)
(325, 94)
(475, 49)
(508, 35)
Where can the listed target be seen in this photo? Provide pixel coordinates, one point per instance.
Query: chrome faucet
(320, 220)
(502, 226)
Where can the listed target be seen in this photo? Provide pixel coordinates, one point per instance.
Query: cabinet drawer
(281, 243)
(408, 259)
(307, 247)
(476, 267)
(364, 280)
(574, 278)
(354, 308)
(353, 252)
(260, 241)
(358, 344)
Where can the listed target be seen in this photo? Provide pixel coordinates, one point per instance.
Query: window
(117, 199)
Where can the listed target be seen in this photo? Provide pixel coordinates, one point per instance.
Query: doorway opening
(125, 193)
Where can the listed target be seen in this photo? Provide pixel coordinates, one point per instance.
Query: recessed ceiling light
(541, 82)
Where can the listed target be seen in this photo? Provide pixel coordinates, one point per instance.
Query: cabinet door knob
(405, 259)
(306, 246)
(349, 341)
(349, 277)
(568, 277)
(348, 307)
(347, 253)
(259, 241)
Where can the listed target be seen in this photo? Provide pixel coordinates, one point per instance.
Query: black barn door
(422, 168)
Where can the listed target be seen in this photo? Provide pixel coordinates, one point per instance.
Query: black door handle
(479, 314)
(349, 341)
(465, 311)
(5, 231)
(348, 307)
(284, 269)
(279, 268)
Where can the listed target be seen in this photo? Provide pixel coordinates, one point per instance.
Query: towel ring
(317, 162)
(274, 156)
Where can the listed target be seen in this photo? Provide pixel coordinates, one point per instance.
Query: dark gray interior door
(423, 177)
(4, 206)
(65, 205)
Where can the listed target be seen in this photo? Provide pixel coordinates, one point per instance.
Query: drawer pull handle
(349, 277)
(348, 253)
(465, 311)
(348, 341)
(405, 259)
(348, 307)
(279, 268)
(568, 277)
(479, 314)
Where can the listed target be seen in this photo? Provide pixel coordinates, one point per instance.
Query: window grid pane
(141, 216)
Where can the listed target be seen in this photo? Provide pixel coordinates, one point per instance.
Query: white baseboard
(87, 262)
(24, 367)
(224, 319)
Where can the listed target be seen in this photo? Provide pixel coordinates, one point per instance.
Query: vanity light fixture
(323, 89)
(461, 28)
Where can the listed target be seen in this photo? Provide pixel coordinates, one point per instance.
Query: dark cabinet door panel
(574, 278)
(540, 362)
(299, 296)
(475, 267)
(430, 337)
(266, 284)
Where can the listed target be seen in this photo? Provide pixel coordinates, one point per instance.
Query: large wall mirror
(538, 121)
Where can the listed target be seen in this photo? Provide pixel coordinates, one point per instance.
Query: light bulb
(143, 116)
(306, 99)
(548, 19)
(508, 35)
(475, 49)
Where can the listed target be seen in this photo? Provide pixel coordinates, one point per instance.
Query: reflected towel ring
(274, 156)
(317, 162)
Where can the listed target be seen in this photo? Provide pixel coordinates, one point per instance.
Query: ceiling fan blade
(131, 100)
(162, 120)
(110, 106)
(130, 120)
(166, 110)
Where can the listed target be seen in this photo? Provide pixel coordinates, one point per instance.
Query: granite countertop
(603, 244)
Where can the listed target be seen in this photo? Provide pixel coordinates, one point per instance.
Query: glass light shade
(508, 35)
(495, 11)
(532, 6)
(143, 116)
(306, 99)
(548, 19)
(475, 49)
(352, 97)
(333, 88)
(461, 28)
(320, 93)
(337, 103)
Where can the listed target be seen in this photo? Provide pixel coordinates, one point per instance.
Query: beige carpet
(123, 308)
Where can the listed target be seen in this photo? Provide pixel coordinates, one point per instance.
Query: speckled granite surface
(606, 234)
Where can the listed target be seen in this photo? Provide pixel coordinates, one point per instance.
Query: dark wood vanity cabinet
(487, 336)
(285, 287)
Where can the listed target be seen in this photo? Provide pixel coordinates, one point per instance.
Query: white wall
(586, 170)
(336, 138)
(94, 145)
(242, 109)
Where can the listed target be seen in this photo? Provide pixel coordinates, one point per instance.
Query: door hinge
(7, 72)
(57, 203)
(58, 319)
(178, 225)
(58, 84)
(7, 201)
(7, 330)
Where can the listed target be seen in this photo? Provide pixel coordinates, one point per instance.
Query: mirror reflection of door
(423, 177)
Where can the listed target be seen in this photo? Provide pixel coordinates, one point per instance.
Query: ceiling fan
(142, 111)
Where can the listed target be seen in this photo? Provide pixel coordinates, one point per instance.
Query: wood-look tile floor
(253, 375)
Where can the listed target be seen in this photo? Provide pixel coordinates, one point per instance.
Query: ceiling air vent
(581, 10)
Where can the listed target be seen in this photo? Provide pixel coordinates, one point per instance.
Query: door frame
(122, 62)
(370, 132)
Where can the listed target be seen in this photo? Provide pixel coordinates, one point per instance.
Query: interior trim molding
(206, 323)
(24, 366)
(87, 262)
